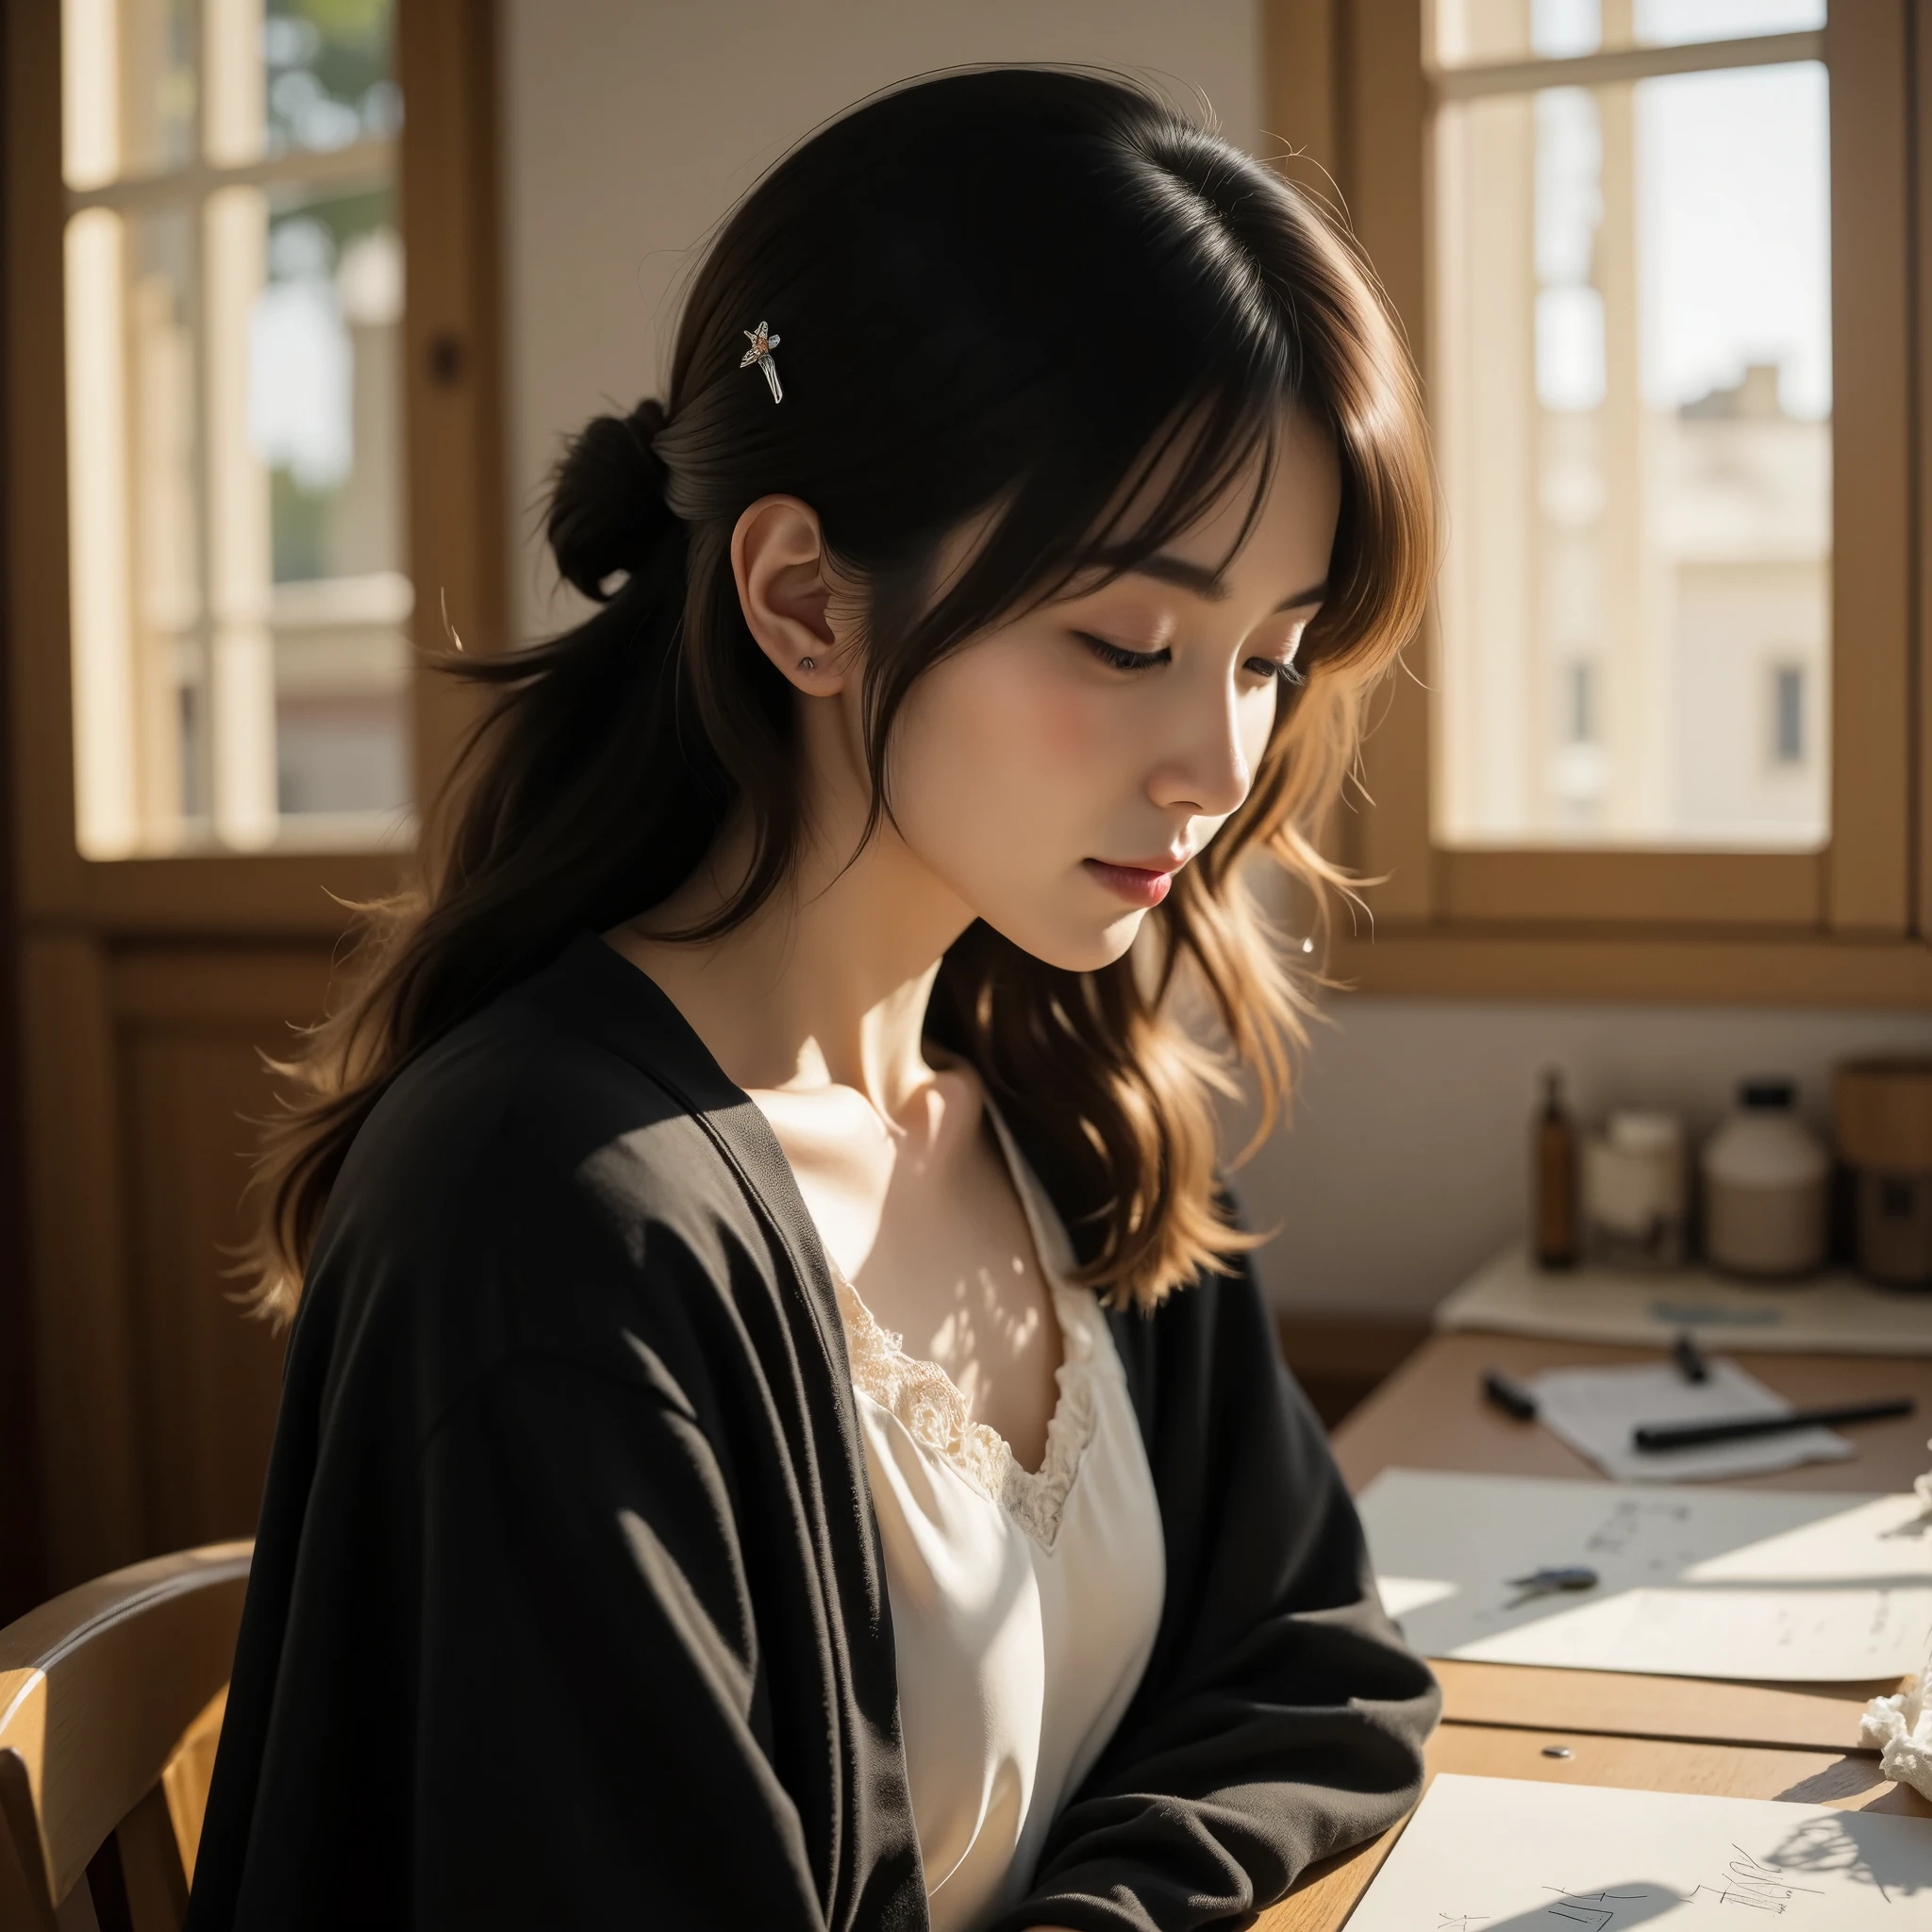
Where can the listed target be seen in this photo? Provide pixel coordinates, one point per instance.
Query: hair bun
(607, 510)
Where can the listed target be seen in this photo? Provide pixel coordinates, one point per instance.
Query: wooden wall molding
(1526, 963)
(1340, 1359)
(91, 1447)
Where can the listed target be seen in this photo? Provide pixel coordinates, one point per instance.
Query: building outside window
(240, 586)
(1787, 714)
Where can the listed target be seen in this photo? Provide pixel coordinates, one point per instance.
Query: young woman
(779, 1430)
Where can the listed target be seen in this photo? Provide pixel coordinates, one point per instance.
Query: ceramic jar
(1634, 1192)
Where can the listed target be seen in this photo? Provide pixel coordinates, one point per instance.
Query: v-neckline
(930, 1405)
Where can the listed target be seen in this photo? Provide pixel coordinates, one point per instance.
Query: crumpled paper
(1901, 1726)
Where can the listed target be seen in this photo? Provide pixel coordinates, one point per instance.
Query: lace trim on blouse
(928, 1403)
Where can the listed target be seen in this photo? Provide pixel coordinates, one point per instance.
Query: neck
(827, 982)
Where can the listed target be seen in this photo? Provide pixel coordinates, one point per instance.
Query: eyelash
(1145, 660)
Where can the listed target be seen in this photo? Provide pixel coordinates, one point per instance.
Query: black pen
(1690, 1358)
(1692, 1435)
(1509, 1395)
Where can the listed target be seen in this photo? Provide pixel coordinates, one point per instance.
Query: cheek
(999, 724)
(1013, 701)
(1059, 731)
(997, 755)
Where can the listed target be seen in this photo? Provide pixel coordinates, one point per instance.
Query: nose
(1204, 769)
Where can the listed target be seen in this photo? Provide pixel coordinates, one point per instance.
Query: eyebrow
(1207, 582)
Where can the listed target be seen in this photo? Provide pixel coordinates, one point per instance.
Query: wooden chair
(111, 1707)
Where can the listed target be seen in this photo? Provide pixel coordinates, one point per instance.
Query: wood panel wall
(158, 1394)
(191, 1032)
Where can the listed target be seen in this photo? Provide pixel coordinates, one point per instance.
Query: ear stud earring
(807, 664)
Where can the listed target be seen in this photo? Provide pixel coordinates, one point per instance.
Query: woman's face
(1057, 773)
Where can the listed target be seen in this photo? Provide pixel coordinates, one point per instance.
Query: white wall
(631, 127)
(1408, 1163)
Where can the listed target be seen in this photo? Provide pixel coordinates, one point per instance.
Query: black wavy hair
(1012, 295)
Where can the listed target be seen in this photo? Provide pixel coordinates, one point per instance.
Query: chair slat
(156, 1886)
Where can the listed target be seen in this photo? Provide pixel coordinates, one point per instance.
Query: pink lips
(1139, 885)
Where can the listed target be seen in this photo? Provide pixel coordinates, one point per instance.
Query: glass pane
(1633, 384)
(1475, 33)
(128, 80)
(241, 597)
(328, 72)
(297, 76)
(325, 407)
(139, 677)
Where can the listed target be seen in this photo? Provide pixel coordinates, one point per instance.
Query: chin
(1076, 949)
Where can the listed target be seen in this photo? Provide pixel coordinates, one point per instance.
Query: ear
(778, 562)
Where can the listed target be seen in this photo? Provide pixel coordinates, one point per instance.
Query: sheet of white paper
(1756, 1584)
(1595, 1410)
(1503, 1855)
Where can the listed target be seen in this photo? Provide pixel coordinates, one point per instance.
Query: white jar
(1634, 1192)
(1766, 1182)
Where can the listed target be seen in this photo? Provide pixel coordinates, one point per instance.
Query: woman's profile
(779, 1427)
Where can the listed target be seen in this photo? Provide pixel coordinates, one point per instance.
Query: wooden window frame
(1348, 91)
(445, 64)
(122, 963)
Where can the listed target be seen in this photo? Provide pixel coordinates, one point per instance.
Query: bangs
(1122, 477)
(1035, 552)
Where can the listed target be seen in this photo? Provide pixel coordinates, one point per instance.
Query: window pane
(1475, 33)
(299, 75)
(1633, 390)
(327, 76)
(139, 679)
(324, 415)
(239, 589)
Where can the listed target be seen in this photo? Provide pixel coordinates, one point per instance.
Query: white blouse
(1024, 1603)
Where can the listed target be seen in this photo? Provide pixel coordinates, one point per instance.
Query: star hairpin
(762, 343)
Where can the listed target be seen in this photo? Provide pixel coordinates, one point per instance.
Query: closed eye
(1274, 667)
(1121, 658)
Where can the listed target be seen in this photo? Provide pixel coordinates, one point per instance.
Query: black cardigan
(568, 1607)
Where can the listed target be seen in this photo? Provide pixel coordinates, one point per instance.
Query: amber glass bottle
(1555, 1221)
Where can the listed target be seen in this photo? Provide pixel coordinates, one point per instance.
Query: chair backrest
(110, 1700)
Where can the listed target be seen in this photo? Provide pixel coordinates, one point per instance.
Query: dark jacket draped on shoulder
(568, 1608)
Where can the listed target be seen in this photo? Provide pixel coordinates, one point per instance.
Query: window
(1632, 390)
(239, 584)
(1662, 264)
(150, 982)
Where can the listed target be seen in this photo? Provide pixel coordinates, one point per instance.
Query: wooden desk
(1794, 1741)
(1325, 1897)
(1430, 1415)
